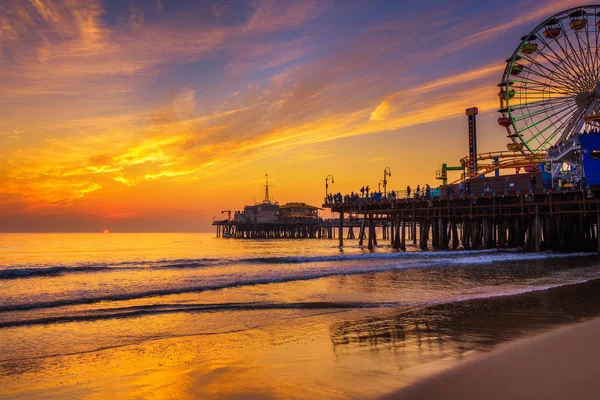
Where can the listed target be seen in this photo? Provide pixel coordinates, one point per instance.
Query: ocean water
(291, 307)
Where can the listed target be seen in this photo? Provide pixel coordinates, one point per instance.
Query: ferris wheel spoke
(529, 82)
(539, 90)
(567, 62)
(564, 106)
(552, 117)
(534, 84)
(545, 72)
(526, 128)
(574, 52)
(596, 45)
(549, 138)
(571, 127)
(592, 73)
(541, 103)
(596, 63)
(559, 72)
(590, 57)
(558, 129)
(552, 124)
(576, 71)
(540, 133)
(558, 85)
(586, 62)
(562, 71)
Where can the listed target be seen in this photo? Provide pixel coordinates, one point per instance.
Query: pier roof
(299, 205)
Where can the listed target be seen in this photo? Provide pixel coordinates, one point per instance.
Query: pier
(308, 229)
(561, 220)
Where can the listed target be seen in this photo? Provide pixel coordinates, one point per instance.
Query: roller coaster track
(506, 160)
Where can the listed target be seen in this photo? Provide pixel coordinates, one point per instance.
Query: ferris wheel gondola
(550, 89)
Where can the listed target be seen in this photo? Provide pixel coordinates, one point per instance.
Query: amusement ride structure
(550, 90)
(549, 96)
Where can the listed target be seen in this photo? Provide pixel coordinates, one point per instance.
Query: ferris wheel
(550, 89)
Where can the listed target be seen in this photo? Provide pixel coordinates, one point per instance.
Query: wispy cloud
(96, 104)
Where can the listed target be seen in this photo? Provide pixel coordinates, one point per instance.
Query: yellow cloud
(99, 133)
(381, 111)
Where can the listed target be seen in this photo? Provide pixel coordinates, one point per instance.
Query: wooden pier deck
(536, 220)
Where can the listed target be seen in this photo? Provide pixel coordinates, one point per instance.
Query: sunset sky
(156, 115)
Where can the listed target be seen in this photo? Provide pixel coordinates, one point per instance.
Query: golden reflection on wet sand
(357, 353)
(304, 359)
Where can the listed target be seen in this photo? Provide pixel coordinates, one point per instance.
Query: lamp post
(386, 172)
(379, 185)
(327, 186)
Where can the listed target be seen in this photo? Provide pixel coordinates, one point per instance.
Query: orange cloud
(87, 123)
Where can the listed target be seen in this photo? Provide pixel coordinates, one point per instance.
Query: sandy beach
(557, 365)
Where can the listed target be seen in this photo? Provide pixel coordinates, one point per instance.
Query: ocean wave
(16, 273)
(155, 309)
(223, 281)
(58, 270)
(167, 308)
(29, 271)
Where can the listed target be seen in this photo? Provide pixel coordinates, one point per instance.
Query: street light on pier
(379, 185)
(386, 172)
(327, 186)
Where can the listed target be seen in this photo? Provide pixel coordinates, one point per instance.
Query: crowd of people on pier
(460, 189)
(366, 195)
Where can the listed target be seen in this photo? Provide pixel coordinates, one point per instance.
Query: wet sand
(558, 365)
(318, 353)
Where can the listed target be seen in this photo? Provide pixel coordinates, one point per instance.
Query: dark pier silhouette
(352, 228)
(561, 220)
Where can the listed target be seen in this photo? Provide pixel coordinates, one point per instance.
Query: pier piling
(341, 233)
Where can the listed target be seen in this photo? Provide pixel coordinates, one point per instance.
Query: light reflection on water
(354, 353)
(371, 326)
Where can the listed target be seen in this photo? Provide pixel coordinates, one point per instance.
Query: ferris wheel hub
(583, 99)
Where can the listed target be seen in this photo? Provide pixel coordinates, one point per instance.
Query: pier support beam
(413, 228)
(424, 230)
(466, 234)
(538, 230)
(371, 229)
(442, 238)
(374, 235)
(341, 235)
(396, 237)
(455, 239)
(403, 236)
(361, 232)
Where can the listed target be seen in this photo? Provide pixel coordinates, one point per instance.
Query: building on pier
(268, 219)
(300, 211)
